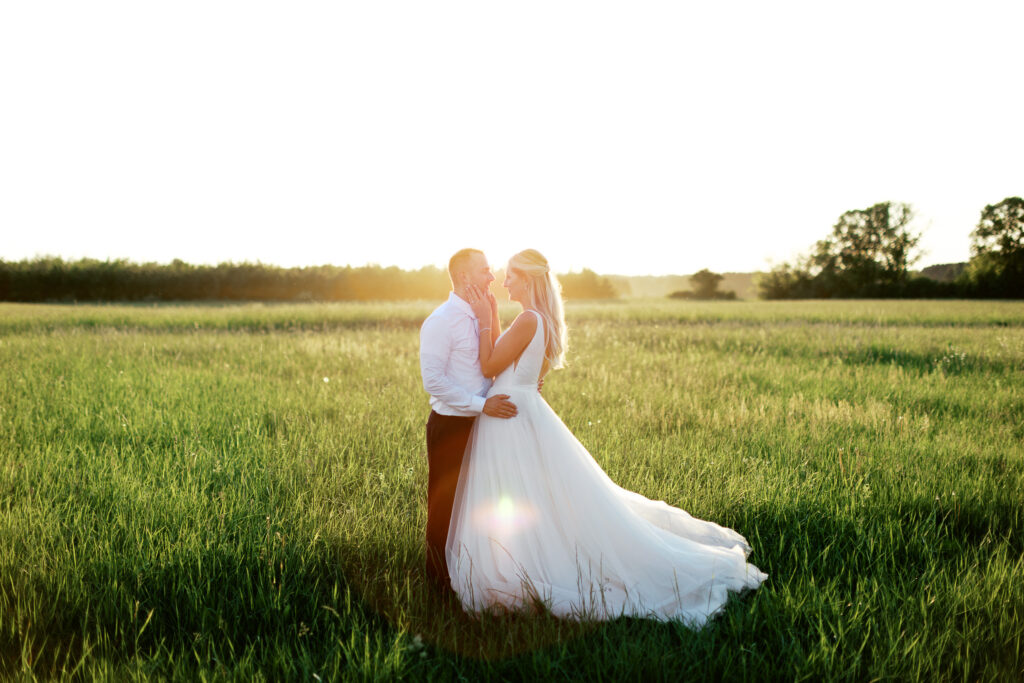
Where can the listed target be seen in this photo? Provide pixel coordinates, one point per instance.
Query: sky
(625, 137)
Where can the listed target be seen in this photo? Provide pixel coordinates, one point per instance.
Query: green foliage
(587, 284)
(869, 250)
(867, 255)
(53, 279)
(183, 495)
(705, 284)
(997, 248)
(785, 281)
(705, 288)
(1000, 232)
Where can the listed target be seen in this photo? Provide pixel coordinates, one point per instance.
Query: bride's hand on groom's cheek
(479, 302)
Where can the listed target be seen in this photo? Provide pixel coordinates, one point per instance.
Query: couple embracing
(518, 511)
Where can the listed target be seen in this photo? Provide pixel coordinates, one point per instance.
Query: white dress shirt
(450, 359)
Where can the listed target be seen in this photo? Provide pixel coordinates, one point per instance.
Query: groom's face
(479, 272)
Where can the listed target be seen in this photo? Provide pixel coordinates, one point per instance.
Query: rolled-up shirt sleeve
(435, 347)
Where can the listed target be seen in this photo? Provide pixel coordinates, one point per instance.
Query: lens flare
(505, 516)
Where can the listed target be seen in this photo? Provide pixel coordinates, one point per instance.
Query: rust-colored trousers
(446, 443)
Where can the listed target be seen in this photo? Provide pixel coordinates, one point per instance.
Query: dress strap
(540, 324)
(540, 318)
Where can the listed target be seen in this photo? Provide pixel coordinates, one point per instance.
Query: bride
(535, 517)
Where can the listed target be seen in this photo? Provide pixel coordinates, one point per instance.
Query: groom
(450, 365)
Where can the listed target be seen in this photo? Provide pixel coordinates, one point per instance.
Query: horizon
(495, 268)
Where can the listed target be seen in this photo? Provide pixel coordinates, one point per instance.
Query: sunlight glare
(505, 516)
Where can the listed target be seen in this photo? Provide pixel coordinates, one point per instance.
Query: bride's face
(515, 283)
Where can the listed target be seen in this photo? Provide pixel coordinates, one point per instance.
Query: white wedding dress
(535, 517)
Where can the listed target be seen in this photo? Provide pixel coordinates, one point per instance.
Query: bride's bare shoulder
(527, 320)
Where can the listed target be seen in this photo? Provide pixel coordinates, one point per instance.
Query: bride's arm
(495, 320)
(485, 307)
(496, 357)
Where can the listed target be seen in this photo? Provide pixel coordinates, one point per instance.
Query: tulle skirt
(536, 519)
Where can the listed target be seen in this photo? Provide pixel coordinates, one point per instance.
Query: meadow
(210, 492)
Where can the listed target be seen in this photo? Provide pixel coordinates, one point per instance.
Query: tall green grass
(238, 492)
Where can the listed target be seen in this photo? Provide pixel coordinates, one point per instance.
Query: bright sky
(628, 137)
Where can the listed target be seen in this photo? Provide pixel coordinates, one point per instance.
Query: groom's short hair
(459, 261)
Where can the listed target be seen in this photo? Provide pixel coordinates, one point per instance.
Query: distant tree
(621, 284)
(869, 251)
(705, 286)
(867, 254)
(587, 285)
(997, 250)
(786, 281)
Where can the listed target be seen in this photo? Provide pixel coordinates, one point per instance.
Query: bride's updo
(545, 297)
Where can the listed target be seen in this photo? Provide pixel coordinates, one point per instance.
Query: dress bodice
(526, 371)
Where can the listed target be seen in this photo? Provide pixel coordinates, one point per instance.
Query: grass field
(238, 492)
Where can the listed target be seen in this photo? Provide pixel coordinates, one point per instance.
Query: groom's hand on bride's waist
(499, 406)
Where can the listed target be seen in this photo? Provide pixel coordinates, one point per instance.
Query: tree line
(52, 279)
(869, 252)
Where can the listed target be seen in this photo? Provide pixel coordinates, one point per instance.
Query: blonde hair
(545, 297)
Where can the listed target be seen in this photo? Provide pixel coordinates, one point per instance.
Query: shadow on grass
(949, 362)
(538, 646)
(353, 602)
(885, 540)
(401, 591)
(804, 542)
(205, 608)
(971, 522)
